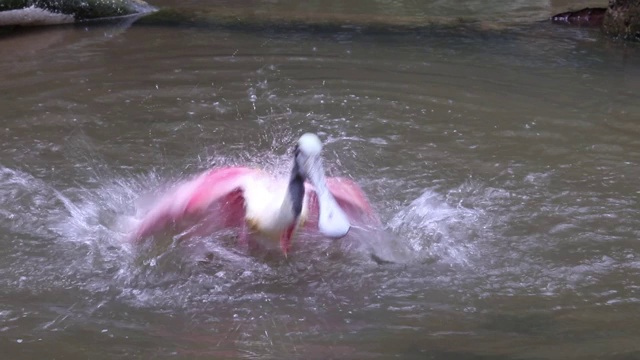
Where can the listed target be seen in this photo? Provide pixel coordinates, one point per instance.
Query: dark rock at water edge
(623, 19)
(37, 12)
(620, 19)
(585, 17)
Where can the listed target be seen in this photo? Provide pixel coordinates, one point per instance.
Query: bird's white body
(267, 206)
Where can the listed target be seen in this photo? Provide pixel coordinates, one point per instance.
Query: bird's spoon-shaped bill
(332, 222)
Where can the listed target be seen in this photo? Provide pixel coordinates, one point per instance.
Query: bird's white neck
(332, 221)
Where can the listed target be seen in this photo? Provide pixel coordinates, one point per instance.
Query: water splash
(437, 231)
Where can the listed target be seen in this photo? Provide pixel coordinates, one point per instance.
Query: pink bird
(262, 206)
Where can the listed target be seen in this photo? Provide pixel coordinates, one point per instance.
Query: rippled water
(503, 162)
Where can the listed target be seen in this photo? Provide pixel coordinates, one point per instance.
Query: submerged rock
(585, 17)
(45, 12)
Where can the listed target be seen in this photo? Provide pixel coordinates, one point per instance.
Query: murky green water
(506, 160)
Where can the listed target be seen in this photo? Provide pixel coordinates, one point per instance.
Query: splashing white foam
(434, 229)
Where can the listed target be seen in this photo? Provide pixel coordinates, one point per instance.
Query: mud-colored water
(504, 161)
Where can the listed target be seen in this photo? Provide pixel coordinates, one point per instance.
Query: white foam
(33, 16)
(433, 228)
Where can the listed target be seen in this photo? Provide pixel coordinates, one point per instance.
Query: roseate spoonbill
(261, 205)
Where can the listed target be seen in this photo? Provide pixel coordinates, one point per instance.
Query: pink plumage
(255, 202)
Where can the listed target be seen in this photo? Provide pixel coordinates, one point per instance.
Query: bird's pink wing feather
(215, 196)
(350, 198)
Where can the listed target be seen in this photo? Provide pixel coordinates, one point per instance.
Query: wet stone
(46, 12)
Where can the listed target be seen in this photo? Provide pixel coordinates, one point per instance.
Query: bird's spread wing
(349, 197)
(215, 196)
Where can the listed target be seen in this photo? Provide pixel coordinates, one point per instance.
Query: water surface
(504, 160)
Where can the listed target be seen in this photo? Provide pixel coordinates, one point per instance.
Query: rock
(44, 12)
(620, 19)
(585, 17)
(623, 19)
